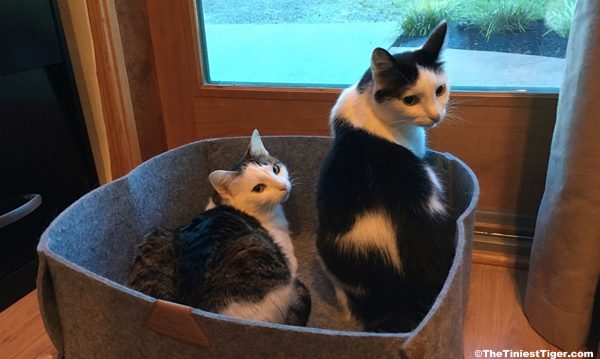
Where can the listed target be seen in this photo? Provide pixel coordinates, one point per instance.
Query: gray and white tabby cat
(384, 233)
(236, 258)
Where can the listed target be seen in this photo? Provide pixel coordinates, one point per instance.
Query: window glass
(494, 45)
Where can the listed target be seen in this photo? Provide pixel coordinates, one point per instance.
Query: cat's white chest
(277, 226)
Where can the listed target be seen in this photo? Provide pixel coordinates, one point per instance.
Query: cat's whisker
(453, 116)
(453, 112)
(462, 101)
(294, 182)
(452, 119)
(292, 176)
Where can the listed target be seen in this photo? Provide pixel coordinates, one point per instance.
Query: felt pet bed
(87, 252)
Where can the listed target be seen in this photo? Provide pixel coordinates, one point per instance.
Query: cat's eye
(410, 100)
(440, 90)
(258, 188)
(276, 169)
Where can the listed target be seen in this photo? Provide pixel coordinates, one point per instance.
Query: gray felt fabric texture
(564, 269)
(86, 254)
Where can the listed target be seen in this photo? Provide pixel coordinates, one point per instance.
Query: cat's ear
(381, 62)
(220, 181)
(435, 41)
(256, 149)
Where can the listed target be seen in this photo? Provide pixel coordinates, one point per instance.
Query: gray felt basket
(87, 252)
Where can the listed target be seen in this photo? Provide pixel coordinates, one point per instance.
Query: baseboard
(501, 250)
(516, 224)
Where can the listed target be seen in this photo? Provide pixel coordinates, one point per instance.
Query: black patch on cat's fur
(401, 76)
(240, 167)
(228, 256)
(364, 173)
(403, 72)
(249, 159)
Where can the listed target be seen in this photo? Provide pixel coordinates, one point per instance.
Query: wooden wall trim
(479, 99)
(114, 88)
(192, 33)
(170, 23)
(78, 35)
(95, 50)
(141, 73)
(270, 93)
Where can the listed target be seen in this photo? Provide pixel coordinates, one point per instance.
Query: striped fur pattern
(155, 268)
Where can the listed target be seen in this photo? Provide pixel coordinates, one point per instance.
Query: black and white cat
(384, 233)
(236, 258)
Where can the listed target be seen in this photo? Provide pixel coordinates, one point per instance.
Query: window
(491, 45)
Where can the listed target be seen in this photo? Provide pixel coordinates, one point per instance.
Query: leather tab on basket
(177, 321)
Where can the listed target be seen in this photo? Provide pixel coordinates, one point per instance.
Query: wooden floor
(22, 333)
(494, 319)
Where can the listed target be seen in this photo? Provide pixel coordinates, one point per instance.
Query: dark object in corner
(43, 141)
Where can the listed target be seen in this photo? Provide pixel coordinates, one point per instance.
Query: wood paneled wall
(236, 112)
